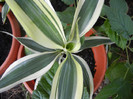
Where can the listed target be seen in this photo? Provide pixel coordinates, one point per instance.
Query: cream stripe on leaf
(54, 89)
(27, 68)
(37, 22)
(88, 79)
(88, 11)
(68, 80)
(32, 45)
(87, 21)
(79, 6)
(95, 41)
(49, 3)
(54, 18)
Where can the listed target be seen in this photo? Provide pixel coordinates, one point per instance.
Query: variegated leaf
(88, 79)
(95, 41)
(50, 5)
(39, 21)
(68, 80)
(5, 10)
(88, 11)
(27, 68)
(44, 85)
(32, 45)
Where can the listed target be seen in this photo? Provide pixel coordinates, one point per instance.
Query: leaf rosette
(46, 38)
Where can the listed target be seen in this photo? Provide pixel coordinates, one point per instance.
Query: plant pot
(12, 56)
(100, 62)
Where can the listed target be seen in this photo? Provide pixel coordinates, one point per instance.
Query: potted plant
(12, 55)
(100, 61)
(49, 44)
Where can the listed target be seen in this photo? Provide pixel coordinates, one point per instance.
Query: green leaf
(131, 69)
(119, 20)
(114, 36)
(5, 10)
(118, 87)
(67, 15)
(68, 2)
(116, 70)
(121, 23)
(119, 5)
(130, 72)
(27, 68)
(68, 80)
(44, 86)
(95, 41)
(113, 55)
(32, 45)
(119, 70)
(39, 21)
(103, 12)
(87, 12)
(119, 73)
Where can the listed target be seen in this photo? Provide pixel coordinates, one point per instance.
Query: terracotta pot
(100, 59)
(12, 56)
(100, 62)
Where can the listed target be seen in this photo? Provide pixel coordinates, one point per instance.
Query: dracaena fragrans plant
(47, 39)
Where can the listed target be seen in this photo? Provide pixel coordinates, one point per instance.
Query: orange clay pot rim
(12, 56)
(97, 78)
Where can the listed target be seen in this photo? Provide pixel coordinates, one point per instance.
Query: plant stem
(127, 54)
(129, 43)
(127, 61)
(128, 46)
(131, 49)
(126, 73)
(103, 17)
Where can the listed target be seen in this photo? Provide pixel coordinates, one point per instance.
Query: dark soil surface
(17, 92)
(5, 40)
(88, 56)
(58, 5)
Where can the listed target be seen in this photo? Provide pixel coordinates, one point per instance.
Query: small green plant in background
(49, 43)
(118, 27)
